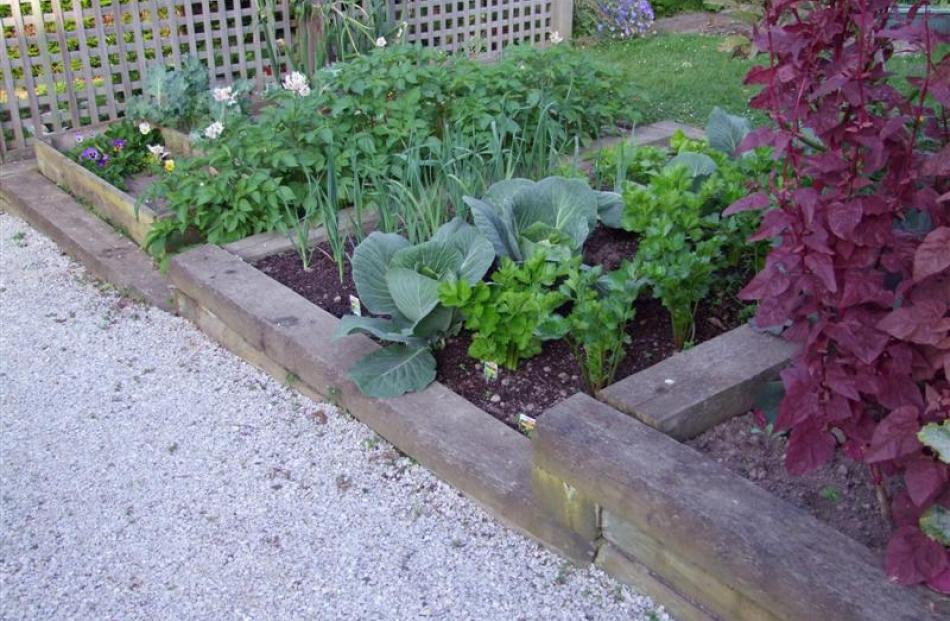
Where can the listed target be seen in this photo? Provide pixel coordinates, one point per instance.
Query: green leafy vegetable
(596, 328)
(553, 216)
(402, 281)
(937, 437)
(510, 317)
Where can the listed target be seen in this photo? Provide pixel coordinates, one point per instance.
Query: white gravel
(146, 473)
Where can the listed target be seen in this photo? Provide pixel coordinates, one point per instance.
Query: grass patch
(684, 76)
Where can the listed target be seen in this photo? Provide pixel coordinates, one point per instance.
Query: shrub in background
(860, 271)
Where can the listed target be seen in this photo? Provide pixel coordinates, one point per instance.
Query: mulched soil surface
(137, 184)
(542, 381)
(839, 494)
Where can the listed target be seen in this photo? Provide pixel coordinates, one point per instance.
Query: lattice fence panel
(73, 63)
(477, 26)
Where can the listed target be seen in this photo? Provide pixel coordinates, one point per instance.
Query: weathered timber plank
(114, 205)
(694, 390)
(639, 576)
(773, 553)
(262, 245)
(103, 251)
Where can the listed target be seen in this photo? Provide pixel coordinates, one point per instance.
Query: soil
(138, 183)
(321, 285)
(839, 494)
(547, 378)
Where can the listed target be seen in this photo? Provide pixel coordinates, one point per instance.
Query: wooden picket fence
(68, 64)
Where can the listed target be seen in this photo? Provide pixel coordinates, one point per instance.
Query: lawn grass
(684, 76)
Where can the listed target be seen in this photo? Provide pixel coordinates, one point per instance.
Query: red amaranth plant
(860, 273)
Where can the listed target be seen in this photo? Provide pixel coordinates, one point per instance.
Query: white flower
(79, 138)
(381, 42)
(556, 37)
(214, 130)
(224, 95)
(144, 128)
(296, 82)
(157, 150)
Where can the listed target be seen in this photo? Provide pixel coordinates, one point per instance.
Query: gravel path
(146, 473)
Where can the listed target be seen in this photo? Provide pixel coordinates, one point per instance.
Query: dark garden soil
(839, 494)
(547, 378)
(321, 285)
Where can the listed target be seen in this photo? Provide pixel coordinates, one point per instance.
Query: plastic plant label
(490, 371)
(355, 306)
(525, 423)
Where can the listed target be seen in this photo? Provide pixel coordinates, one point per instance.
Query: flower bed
(77, 162)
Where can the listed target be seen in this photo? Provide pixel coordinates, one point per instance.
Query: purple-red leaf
(925, 478)
(809, 447)
(895, 436)
(751, 202)
(912, 557)
(933, 254)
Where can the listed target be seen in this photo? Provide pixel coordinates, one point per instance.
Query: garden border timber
(710, 543)
(114, 205)
(280, 331)
(83, 235)
(692, 391)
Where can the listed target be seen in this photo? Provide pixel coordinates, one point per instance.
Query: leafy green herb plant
(596, 327)
(511, 316)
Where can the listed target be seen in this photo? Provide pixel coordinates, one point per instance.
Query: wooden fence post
(562, 18)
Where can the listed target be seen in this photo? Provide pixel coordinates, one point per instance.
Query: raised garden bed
(550, 493)
(594, 484)
(123, 209)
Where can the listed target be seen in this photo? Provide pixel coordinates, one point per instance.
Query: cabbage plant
(555, 215)
(399, 284)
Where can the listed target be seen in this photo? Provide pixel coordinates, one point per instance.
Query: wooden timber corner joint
(700, 539)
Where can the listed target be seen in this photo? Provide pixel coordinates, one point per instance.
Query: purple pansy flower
(91, 153)
(118, 144)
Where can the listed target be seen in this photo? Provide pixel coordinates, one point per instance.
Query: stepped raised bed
(123, 210)
(593, 483)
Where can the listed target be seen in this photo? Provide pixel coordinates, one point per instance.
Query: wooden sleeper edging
(695, 390)
(725, 547)
(115, 206)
